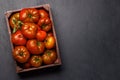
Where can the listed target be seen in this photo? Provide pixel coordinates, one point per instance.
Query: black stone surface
(88, 33)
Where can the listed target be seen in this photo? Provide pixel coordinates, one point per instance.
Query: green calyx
(43, 26)
(48, 52)
(21, 53)
(37, 59)
(29, 15)
(38, 43)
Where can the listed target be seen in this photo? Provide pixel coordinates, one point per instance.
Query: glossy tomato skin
(18, 38)
(41, 35)
(49, 42)
(29, 30)
(43, 13)
(45, 24)
(21, 54)
(15, 22)
(49, 56)
(36, 61)
(35, 47)
(29, 15)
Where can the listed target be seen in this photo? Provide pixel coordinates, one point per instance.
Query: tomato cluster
(32, 38)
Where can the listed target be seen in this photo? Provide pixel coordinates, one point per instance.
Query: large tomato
(29, 15)
(35, 47)
(49, 42)
(41, 35)
(29, 30)
(43, 13)
(45, 24)
(21, 54)
(15, 22)
(49, 56)
(18, 38)
(36, 61)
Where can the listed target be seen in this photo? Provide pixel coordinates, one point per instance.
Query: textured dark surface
(88, 35)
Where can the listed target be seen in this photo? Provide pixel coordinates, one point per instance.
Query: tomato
(26, 65)
(49, 42)
(36, 61)
(49, 56)
(43, 13)
(45, 24)
(35, 47)
(29, 15)
(21, 54)
(50, 34)
(15, 22)
(29, 30)
(18, 38)
(41, 35)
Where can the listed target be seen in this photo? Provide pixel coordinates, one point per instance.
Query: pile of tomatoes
(32, 38)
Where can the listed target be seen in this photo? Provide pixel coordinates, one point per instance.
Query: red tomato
(43, 13)
(29, 30)
(26, 65)
(45, 24)
(41, 35)
(35, 47)
(15, 22)
(36, 61)
(50, 34)
(49, 56)
(21, 54)
(18, 38)
(29, 15)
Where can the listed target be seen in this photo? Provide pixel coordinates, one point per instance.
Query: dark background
(88, 33)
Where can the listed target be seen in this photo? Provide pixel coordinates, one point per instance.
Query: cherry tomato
(18, 38)
(36, 61)
(29, 30)
(15, 22)
(49, 42)
(45, 24)
(29, 15)
(35, 47)
(43, 13)
(41, 35)
(49, 56)
(21, 54)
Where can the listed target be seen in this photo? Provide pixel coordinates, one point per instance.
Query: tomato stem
(21, 53)
(38, 43)
(29, 15)
(48, 52)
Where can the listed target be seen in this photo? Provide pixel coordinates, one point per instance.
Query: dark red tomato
(18, 38)
(29, 30)
(35, 47)
(43, 13)
(45, 24)
(49, 42)
(29, 15)
(36, 61)
(49, 56)
(50, 34)
(15, 22)
(26, 65)
(21, 54)
(41, 35)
